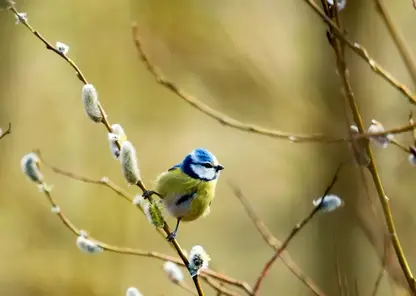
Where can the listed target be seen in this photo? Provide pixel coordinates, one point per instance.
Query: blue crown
(200, 157)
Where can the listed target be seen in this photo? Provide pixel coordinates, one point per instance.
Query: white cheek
(203, 172)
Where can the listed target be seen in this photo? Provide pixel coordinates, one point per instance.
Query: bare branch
(141, 253)
(126, 196)
(398, 39)
(7, 132)
(233, 123)
(273, 242)
(363, 54)
(372, 167)
(293, 233)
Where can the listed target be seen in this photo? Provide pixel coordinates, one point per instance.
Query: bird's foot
(171, 236)
(148, 193)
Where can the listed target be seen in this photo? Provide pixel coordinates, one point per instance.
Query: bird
(188, 188)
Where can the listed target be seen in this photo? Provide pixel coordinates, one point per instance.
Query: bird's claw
(147, 194)
(171, 236)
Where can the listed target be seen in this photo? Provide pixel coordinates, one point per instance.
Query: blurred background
(264, 62)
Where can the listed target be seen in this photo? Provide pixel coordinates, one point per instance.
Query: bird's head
(201, 164)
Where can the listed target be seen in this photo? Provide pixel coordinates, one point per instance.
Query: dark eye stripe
(207, 165)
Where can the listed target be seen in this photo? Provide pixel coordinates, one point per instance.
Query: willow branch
(398, 39)
(7, 132)
(107, 125)
(273, 242)
(298, 227)
(246, 127)
(363, 54)
(220, 289)
(220, 117)
(106, 182)
(206, 274)
(372, 167)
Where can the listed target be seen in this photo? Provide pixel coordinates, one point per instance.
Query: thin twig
(246, 127)
(338, 269)
(217, 286)
(372, 167)
(220, 117)
(137, 252)
(402, 147)
(7, 132)
(362, 53)
(411, 121)
(293, 233)
(273, 242)
(126, 196)
(382, 268)
(107, 125)
(398, 39)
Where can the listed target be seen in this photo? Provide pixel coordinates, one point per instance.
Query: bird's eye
(207, 165)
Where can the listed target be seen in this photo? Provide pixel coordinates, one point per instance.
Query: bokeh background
(263, 61)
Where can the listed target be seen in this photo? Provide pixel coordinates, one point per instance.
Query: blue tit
(187, 189)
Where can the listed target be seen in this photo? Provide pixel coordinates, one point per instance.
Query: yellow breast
(174, 184)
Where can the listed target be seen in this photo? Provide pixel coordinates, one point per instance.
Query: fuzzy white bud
(62, 47)
(21, 17)
(173, 272)
(198, 259)
(132, 291)
(412, 159)
(381, 141)
(88, 246)
(330, 203)
(83, 233)
(6, 4)
(128, 160)
(30, 166)
(412, 156)
(91, 103)
(340, 4)
(117, 135)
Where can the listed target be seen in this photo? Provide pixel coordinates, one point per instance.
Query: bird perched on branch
(188, 188)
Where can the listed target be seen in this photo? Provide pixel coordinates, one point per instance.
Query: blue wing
(174, 167)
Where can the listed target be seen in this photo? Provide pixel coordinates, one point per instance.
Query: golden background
(266, 62)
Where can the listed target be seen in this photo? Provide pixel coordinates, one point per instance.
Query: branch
(372, 167)
(398, 39)
(7, 132)
(220, 117)
(107, 125)
(217, 286)
(106, 182)
(363, 54)
(293, 233)
(273, 242)
(234, 123)
(141, 253)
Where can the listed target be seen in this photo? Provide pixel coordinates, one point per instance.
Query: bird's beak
(219, 167)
